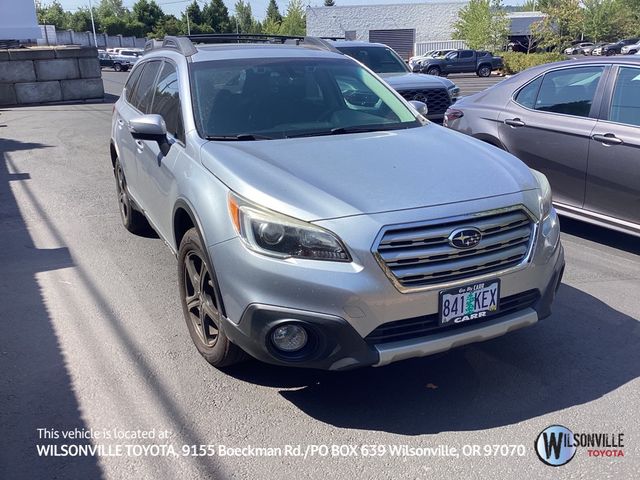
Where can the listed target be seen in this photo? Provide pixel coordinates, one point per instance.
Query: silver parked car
(578, 122)
(317, 218)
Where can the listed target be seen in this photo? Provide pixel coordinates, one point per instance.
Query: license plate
(471, 302)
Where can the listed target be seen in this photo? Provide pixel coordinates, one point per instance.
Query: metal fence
(420, 48)
(53, 36)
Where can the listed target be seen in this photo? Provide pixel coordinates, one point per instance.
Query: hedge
(515, 62)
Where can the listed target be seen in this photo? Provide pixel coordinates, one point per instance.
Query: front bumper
(341, 304)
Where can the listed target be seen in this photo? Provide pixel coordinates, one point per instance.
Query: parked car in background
(631, 49)
(415, 63)
(113, 61)
(480, 62)
(437, 93)
(615, 48)
(578, 122)
(127, 58)
(317, 219)
(578, 48)
(589, 50)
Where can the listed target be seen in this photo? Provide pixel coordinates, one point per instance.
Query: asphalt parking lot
(92, 336)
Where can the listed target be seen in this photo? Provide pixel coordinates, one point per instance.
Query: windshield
(379, 59)
(278, 98)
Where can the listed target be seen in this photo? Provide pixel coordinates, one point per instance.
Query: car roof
(356, 43)
(617, 60)
(230, 51)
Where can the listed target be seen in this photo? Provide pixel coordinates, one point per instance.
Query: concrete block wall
(46, 75)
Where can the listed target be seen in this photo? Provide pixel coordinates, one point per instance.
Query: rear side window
(143, 93)
(569, 91)
(625, 104)
(131, 82)
(527, 96)
(166, 101)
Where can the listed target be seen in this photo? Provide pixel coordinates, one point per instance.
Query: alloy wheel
(200, 299)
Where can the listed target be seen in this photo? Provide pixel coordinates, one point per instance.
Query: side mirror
(421, 107)
(150, 127)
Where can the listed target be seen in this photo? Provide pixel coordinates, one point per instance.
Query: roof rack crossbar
(185, 44)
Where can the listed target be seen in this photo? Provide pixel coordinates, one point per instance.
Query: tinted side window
(625, 104)
(569, 91)
(527, 96)
(130, 86)
(166, 101)
(466, 54)
(143, 93)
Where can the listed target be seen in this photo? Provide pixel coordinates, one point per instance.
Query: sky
(259, 7)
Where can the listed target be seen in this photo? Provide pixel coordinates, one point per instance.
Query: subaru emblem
(465, 238)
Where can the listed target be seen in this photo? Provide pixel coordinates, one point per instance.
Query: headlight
(277, 235)
(454, 92)
(545, 194)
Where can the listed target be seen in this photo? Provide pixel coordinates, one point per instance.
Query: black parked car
(616, 48)
(118, 64)
(576, 121)
(463, 61)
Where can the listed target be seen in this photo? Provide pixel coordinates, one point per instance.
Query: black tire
(117, 67)
(610, 53)
(433, 71)
(132, 219)
(202, 304)
(484, 71)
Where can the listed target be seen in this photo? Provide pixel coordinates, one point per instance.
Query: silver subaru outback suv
(318, 219)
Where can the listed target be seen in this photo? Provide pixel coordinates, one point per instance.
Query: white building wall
(431, 21)
(18, 20)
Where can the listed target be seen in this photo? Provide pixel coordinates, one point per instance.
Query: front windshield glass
(279, 98)
(379, 59)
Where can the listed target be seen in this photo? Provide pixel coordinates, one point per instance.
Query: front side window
(625, 103)
(143, 93)
(130, 86)
(466, 54)
(378, 59)
(279, 98)
(569, 91)
(166, 101)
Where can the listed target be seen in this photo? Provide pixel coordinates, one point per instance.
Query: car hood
(415, 80)
(317, 178)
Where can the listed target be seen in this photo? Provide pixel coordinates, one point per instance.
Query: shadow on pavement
(604, 236)
(37, 391)
(582, 352)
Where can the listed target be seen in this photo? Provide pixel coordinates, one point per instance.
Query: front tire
(117, 67)
(201, 303)
(133, 220)
(435, 71)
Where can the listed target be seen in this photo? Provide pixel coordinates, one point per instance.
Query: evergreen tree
(294, 22)
(216, 15)
(483, 24)
(148, 13)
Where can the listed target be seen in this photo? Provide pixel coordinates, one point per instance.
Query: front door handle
(514, 122)
(607, 139)
(139, 144)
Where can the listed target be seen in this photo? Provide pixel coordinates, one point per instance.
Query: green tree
(244, 16)
(329, 3)
(148, 13)
(110, 8)
(194, 13)
(294, 22)
(53, 14)
(80, 20)
(169, 25)
(273, 12)
(563, 24)
(483, 24)
(216, 15)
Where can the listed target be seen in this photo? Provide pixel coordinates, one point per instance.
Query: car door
(125, 110)
(613, 174)
(450, 62)
(466, 61)
(156, 169)
(548, 124)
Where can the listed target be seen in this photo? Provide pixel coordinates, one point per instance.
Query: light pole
(93, 24)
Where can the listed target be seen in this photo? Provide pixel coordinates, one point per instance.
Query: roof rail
(186, 44)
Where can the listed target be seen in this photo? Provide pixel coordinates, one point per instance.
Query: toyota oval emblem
(465, 238)
(420, 97)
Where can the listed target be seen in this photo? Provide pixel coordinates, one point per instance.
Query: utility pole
(93, 25)
(188, 25)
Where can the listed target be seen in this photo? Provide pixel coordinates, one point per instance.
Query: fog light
(289, 338)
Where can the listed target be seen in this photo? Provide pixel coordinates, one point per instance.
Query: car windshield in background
(379, 59)
(280, 98)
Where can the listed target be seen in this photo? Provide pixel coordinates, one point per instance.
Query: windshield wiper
(345, 130)
(242, 137)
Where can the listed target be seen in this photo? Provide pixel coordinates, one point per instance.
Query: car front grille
(417, 327)
(437, 99)
(420, 255)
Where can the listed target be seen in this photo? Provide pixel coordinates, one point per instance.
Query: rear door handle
(514, 122)
(139, 144)
(607, 139)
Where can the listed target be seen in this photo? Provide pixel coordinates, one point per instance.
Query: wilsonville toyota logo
(556, 445)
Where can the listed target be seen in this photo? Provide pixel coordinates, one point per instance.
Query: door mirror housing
(150, 127)
(421, 107)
